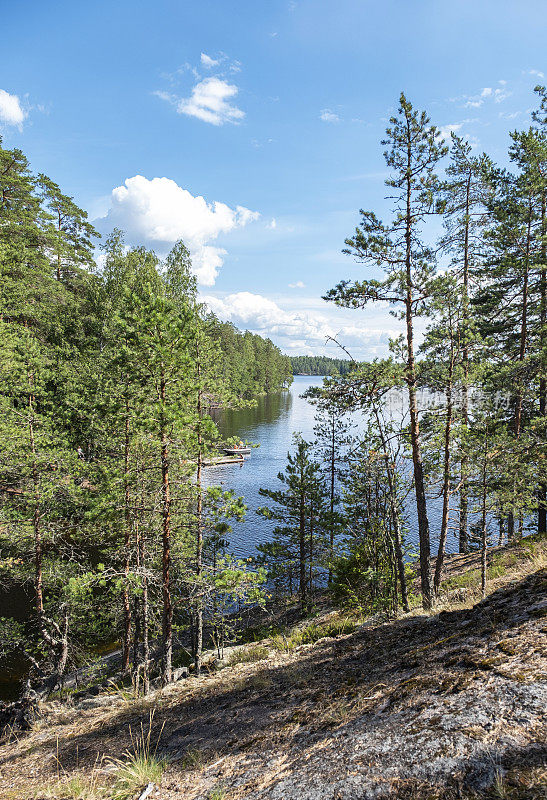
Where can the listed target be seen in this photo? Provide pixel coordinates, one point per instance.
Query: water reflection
(269, 410)
(271, 424)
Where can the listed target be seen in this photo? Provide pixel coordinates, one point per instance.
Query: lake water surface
(272, 424)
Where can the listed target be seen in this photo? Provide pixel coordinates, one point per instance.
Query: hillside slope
(448, 705)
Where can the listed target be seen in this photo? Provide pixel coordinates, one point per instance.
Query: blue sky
(252, 129)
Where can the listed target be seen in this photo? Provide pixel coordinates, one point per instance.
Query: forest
(109, 371)
(319, 365)
(109, 368)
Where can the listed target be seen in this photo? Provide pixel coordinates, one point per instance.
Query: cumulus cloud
(294, 329)
(209, 62)
(11, 111)
(297, 285)
(537, 73)
(160, 212)
(329, 116)
(212, 96)
(209, 101)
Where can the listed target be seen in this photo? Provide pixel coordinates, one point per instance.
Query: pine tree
(332, 439)
(301, 509)
(414, 152)
(444, 369)
(465, 197)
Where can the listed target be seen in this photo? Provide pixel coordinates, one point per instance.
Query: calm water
(272, 424)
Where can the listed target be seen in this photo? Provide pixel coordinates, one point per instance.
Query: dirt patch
(447, 705)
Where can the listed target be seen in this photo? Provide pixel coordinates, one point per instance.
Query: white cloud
(297, 330)
(487, 93)
(329, 116)
(210, 102)
(209, 62)
(272, 225)
(160, 211)
(537, 73)
(444, 131)
(297, 285)
(11, 112)
(501, 94)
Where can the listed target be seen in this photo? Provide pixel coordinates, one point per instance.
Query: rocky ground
(447, 705)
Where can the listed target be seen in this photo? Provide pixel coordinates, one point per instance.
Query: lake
(271, 424)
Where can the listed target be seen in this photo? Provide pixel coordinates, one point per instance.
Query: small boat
(237, 451)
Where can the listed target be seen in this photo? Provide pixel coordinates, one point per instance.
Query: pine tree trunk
(463, 546)
(523, 324)
(542, 491)
(394, 516)
(517, 421)
(167, 621)
(36, 518)
(199, 566)
(302, 553)
(446, 483)
(332, 481)
(421, 506)
(311, 551)
(199, 520)
(483, 521)
(144, 616)
(126, 643)
(500, 527)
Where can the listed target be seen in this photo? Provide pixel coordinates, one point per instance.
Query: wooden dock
(218, 461)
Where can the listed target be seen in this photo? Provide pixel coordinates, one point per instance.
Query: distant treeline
(319, 365)
(250, 364)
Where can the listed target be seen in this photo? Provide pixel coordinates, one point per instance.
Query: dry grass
(249, 655)
(323, 698)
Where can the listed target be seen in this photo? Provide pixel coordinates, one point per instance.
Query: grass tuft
(312, 633)
(139, 766)
(249, 655)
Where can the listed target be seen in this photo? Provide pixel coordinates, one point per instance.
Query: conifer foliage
(107, 379)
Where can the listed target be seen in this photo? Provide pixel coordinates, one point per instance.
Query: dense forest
(108, 373)
(250, 365)
(319, 365)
